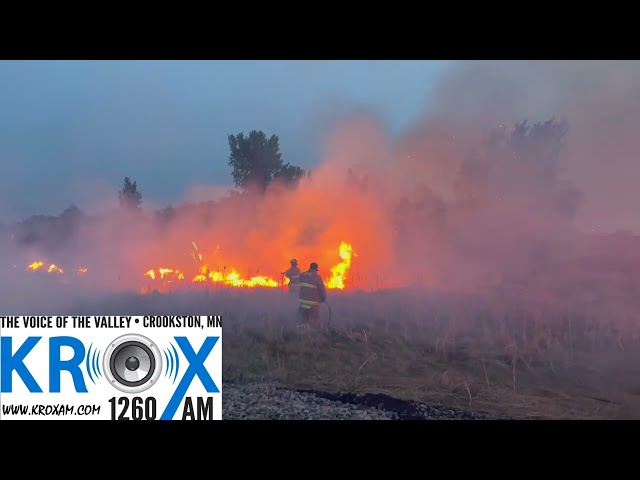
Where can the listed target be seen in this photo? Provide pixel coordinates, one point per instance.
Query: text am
(202, 411)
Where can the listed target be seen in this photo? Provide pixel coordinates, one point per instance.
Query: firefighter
(312, 294)
(293, 274)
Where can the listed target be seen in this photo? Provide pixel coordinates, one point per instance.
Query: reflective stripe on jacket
(312, 289)
(293, 274)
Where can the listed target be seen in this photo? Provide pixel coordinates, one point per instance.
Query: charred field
(490, 357)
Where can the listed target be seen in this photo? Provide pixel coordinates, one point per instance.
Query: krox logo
(131, 363)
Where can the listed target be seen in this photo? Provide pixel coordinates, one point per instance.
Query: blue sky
(70, 131)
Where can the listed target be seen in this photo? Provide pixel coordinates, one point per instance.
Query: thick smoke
(463, 201)
(600, 100)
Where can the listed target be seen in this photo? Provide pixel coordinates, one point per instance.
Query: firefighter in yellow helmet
(312, 294)
(293, 274)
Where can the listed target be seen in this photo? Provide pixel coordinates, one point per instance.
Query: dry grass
(413, 368)
(498, 357)
(569, 370)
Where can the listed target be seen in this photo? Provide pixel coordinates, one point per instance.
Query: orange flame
(52, 268)
(55, 269)
(233, 278)
(227, 277)
(339, 272)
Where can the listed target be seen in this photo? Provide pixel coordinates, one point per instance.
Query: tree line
(256, 162)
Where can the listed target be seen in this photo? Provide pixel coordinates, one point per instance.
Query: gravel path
(270, 402)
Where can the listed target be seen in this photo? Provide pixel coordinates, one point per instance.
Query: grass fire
(164, 279)
(484, 258)
(231, 278)
(51, 268)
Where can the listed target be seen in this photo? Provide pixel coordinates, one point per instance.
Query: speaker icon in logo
(132, 363)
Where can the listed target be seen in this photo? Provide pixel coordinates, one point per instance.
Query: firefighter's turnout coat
(293, 274)
(312, 291)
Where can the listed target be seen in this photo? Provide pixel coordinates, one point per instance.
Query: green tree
(166, 214)
(72, 213)
(256, 161)
(527, 158)
(130, 198)
(289, 173)
(70, 219)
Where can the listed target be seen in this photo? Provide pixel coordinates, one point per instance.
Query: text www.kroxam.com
(49, 410)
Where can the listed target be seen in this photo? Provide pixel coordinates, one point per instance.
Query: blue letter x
(196, 367)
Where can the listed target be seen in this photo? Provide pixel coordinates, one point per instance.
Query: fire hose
(325, 302)
(329, 307)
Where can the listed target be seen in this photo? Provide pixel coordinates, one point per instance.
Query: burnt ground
(404, 409)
